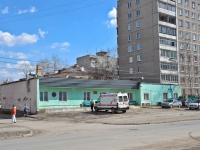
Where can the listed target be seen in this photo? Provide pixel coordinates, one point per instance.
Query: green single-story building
(52, 93)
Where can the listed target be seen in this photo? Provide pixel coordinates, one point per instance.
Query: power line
(54, 13)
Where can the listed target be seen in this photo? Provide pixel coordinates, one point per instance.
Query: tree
(49, 65)
(26, 67)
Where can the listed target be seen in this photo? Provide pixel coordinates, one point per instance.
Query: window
(180, 34)
(167, 30)
(196, 70)
(195, 58)
(44, 96)
(198, 17)
(146, 96)
(180, 23)
(181, 57)
(130, 59)
(187, 35)
(193, 15)
(87, 96)
(167, 42)
(188, 46)
(180, 1)
(181, 45)
(129, 16)
(169, 54)
(199, 37)
(130, 96)
(138, 12)
(196, 80)
(175, 95)
(138, 24)
(198, 6)
(62, 96)
(131, 71)
(194, 26)
(193, 5)
(183, 80)
(137, 1)
(139, 58)
(129, 5)
(186, 2)
(130, 38)
(165, 96)
(129, 26)
(130, 48)
(187, 25)
(138, 35)
(180, 12)
(186, 13)
(182, 68)
(194, 47)
(194, 37)
(197, 91)
(139, 46)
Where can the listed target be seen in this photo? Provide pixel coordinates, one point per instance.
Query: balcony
(166, 8)
(167, 20)
(171, 2)
(167, 44)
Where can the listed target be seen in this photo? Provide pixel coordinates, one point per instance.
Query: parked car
(171, 103)
(194, 105)
(185, 102)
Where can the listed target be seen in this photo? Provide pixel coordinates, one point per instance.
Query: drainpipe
(27, 83)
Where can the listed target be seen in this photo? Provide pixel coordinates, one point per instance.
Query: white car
(194, 105)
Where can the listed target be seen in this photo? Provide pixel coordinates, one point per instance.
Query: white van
(112, 101)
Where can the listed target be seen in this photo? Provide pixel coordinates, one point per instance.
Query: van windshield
(120, 99)
(125, 98)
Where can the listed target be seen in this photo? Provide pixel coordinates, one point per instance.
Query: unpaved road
(75, 130)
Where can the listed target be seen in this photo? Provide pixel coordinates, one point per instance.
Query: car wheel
(189, 108)
(179, 106)
(163, 107)
(123, 111)
(113, 110)
(171, 106)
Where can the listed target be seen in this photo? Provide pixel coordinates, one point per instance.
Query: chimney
(39, 70)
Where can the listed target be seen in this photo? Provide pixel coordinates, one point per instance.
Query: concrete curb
(18, 136)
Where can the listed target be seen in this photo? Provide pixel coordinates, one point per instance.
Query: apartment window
(165, 96)
(183, 80)
(130, 48)
(194, 47)
(137, 1)
(139, 58)
(187, 35)
(129, 16)
(194, 37)
(86, 96)
(180, 23)
(193, 5)
(180, 12)
(195, 58)
(131, 71)
(196, 70)
(138, 12)
(138, 69)
(130, 59)
(182, 68)
(130, 96)
(198, 17)
(62, 96)
(199, 37)
(196, 80)
(138, 35)
(180, 1)
(189, 58)
(194, 26)
(193, 15)
(44, 96)
(129, 37)
(188, 46)
(197, 91)
(175, 95)
(187, 25)
(146, 96)
(129, 5)
(186, 2)
(129, 26)
(167, 42)
(167, 30)
(181, 45)
(181, 57)
(139, 46)
(169, 54)
(198, 6)
(186, 13)
(180, 34)
(138, 24)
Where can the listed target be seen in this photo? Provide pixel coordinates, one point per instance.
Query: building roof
(84, 83)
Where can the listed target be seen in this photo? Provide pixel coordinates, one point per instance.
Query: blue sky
(33, 30)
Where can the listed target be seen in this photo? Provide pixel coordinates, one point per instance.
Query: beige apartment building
(160, 41)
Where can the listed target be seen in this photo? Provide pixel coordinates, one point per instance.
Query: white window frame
(130, 48)
(43, 96)
(146, 97)
(63, 96)
(186, 2)
(180, 34)
(130, 26)
(139, 46)
(130, 70)
(194, 37)
(180, 23)
(187, 14)
(130, 96)
(165, 96)
(193, 5)
(138, 24)
(195, 47)
(131, 59)
(139, 58)
(86, 96)
(193, 15)
(180, 12)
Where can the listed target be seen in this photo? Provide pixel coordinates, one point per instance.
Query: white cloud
(42, 33)
(11, 40)
(62, 46)
(30, 10)
(5, 10)
(113, 18)
(10, 54)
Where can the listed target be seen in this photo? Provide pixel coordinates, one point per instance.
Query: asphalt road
(116, 137)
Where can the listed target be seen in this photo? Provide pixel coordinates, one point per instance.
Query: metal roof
(84, 83)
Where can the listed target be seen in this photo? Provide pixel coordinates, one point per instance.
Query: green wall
(75, 97)
(156, 91)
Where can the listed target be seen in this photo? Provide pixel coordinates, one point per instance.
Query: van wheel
(113, 110)
(96, 109)
(171, 106)
(123, 111)
(106, 110)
